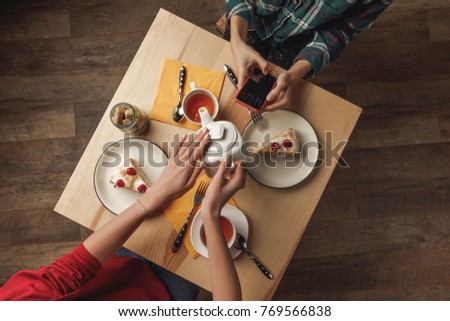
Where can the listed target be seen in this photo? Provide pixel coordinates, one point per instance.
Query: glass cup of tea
(228, 229)
(197, 98)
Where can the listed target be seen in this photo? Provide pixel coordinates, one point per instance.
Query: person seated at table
(91, 272)
(299, 36)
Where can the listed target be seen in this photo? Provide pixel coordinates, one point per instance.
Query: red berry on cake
(287, 143)
(142, 188)
(131, 171)
(274, 147)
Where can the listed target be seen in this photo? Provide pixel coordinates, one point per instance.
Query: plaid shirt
(332, 23)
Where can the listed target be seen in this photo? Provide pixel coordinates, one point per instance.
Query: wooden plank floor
(382, 228)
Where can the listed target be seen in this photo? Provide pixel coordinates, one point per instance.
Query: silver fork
(259, 121)
(198, 197)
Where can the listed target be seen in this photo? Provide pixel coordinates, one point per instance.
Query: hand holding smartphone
(255, 89)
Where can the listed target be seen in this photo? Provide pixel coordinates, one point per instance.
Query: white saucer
(152, 161)
(278, 175)
(234, 214)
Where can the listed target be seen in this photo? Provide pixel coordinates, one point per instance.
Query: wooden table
(277, 218)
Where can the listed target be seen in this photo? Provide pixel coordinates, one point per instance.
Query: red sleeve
(65, 275)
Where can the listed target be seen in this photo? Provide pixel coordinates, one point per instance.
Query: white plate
(277, 174)
(150, 157)
(233, 214)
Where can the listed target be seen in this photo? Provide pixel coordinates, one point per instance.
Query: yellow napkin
(167, 93)
(177, 211)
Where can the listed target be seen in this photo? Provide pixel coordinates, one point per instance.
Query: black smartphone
(255, 90)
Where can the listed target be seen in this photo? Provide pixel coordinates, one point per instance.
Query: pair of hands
(183, 169)
(247, 58)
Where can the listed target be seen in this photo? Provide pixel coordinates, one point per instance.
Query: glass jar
(129, 118)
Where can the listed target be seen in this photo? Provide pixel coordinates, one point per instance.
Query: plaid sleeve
(329, 41)
(239, 8)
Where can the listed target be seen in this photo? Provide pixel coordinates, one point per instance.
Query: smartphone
(255, 90)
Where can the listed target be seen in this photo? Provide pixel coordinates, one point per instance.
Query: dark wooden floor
(382, 228)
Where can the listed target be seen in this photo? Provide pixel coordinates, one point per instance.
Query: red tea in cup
(195, 102)
(228, 230)
(197, 98)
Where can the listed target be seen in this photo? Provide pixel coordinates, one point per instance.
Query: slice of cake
(131, 177)
(285, 144)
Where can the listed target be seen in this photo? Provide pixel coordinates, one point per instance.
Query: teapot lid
(223, 135)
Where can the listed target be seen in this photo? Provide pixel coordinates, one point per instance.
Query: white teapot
(226, 141)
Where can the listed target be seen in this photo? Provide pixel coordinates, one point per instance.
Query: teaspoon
(241, 244)
(177, 113)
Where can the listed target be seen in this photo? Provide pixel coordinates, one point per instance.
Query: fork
(198, 197)
(259, 121)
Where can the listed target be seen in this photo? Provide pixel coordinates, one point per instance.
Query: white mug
(197, 98)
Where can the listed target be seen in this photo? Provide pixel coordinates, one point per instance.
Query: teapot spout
(205, 116)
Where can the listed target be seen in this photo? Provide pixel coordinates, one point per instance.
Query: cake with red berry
(284, 144)
(131, 177)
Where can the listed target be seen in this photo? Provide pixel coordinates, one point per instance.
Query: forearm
(224, 278)
(107, 240)
(299, 70)
(238, 30)
(177, 177)
(239, 15)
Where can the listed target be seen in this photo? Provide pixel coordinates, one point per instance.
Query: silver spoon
(177, 113)
(241, 244)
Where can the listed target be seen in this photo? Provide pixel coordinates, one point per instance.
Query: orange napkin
(166, 97)
(177, 211)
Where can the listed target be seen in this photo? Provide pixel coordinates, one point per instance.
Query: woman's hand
(281, 95)
(223, 186)
(177, 177)
(180, 174)
(246, 58)
(224, 279)
(287, 84)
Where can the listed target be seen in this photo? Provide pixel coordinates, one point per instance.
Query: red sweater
(80, 276)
